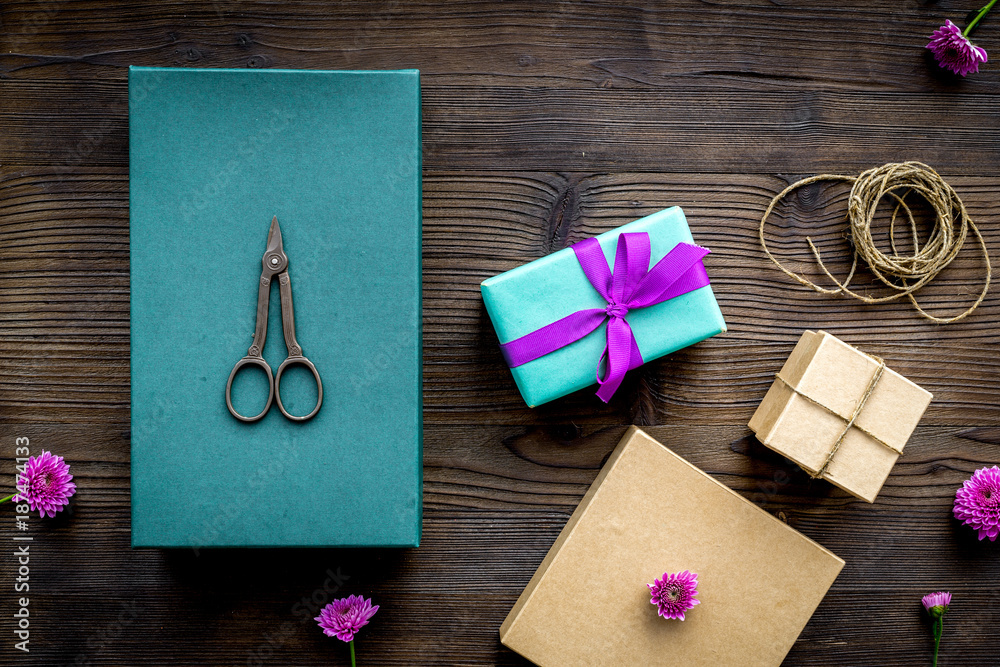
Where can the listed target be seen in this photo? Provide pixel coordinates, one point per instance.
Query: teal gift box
(537, 294)
(335, 155)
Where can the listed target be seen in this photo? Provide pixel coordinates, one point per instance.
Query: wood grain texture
(710, 44)
(503, 127)
(543, 124)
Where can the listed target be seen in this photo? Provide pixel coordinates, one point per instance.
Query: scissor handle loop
(302, 361)
(252, 361)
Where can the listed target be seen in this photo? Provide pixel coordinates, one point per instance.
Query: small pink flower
(674, 594)
(977, 503)
(936, 604)
(344, 617)
(45, 484)
(954, 51)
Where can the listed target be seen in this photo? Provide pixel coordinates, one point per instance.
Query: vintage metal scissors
(275, 263)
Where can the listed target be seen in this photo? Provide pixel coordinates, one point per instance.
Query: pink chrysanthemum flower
(936, 604)
(954, 51)
(674, 594)
(344, 617)
(977, 503)
(45, 484)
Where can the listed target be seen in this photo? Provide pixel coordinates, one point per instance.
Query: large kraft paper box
(809, 407)
(647, 513)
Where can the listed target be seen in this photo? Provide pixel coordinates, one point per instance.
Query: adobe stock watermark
(377, 363)
(22, 554)
(247, 150)
(304, 611)
(108, 634)
(262, 479)
(36, 22)
(766, 491)
(92, 139)
(370, 29)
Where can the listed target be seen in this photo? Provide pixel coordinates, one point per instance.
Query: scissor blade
(274, 237)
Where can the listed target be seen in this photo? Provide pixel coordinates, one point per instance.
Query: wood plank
(496, 498)
(759, 46)
(471, 236)
(58, 227)
(64, 295)
(544, 129)
(543, 124)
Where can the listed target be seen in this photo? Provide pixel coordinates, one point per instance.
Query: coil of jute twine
(904, 274)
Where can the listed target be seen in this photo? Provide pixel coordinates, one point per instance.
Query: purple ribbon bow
(632, 285)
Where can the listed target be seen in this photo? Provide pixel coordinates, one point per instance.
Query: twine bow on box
(632, 285)
(849, 420)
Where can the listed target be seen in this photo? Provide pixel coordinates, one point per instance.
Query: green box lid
(214, 155)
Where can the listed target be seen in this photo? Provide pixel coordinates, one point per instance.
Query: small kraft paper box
(839, 413)
(650, 512)
(556, 328)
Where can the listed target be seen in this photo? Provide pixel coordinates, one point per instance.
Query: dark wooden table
(544, 123)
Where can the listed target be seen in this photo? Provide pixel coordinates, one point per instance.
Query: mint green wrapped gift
(587, 314)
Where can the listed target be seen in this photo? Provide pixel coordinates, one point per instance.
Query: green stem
(982, 12)
(353, 664)
(938, 630)
(3, 500)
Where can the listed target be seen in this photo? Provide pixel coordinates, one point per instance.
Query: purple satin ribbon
(633, 285)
